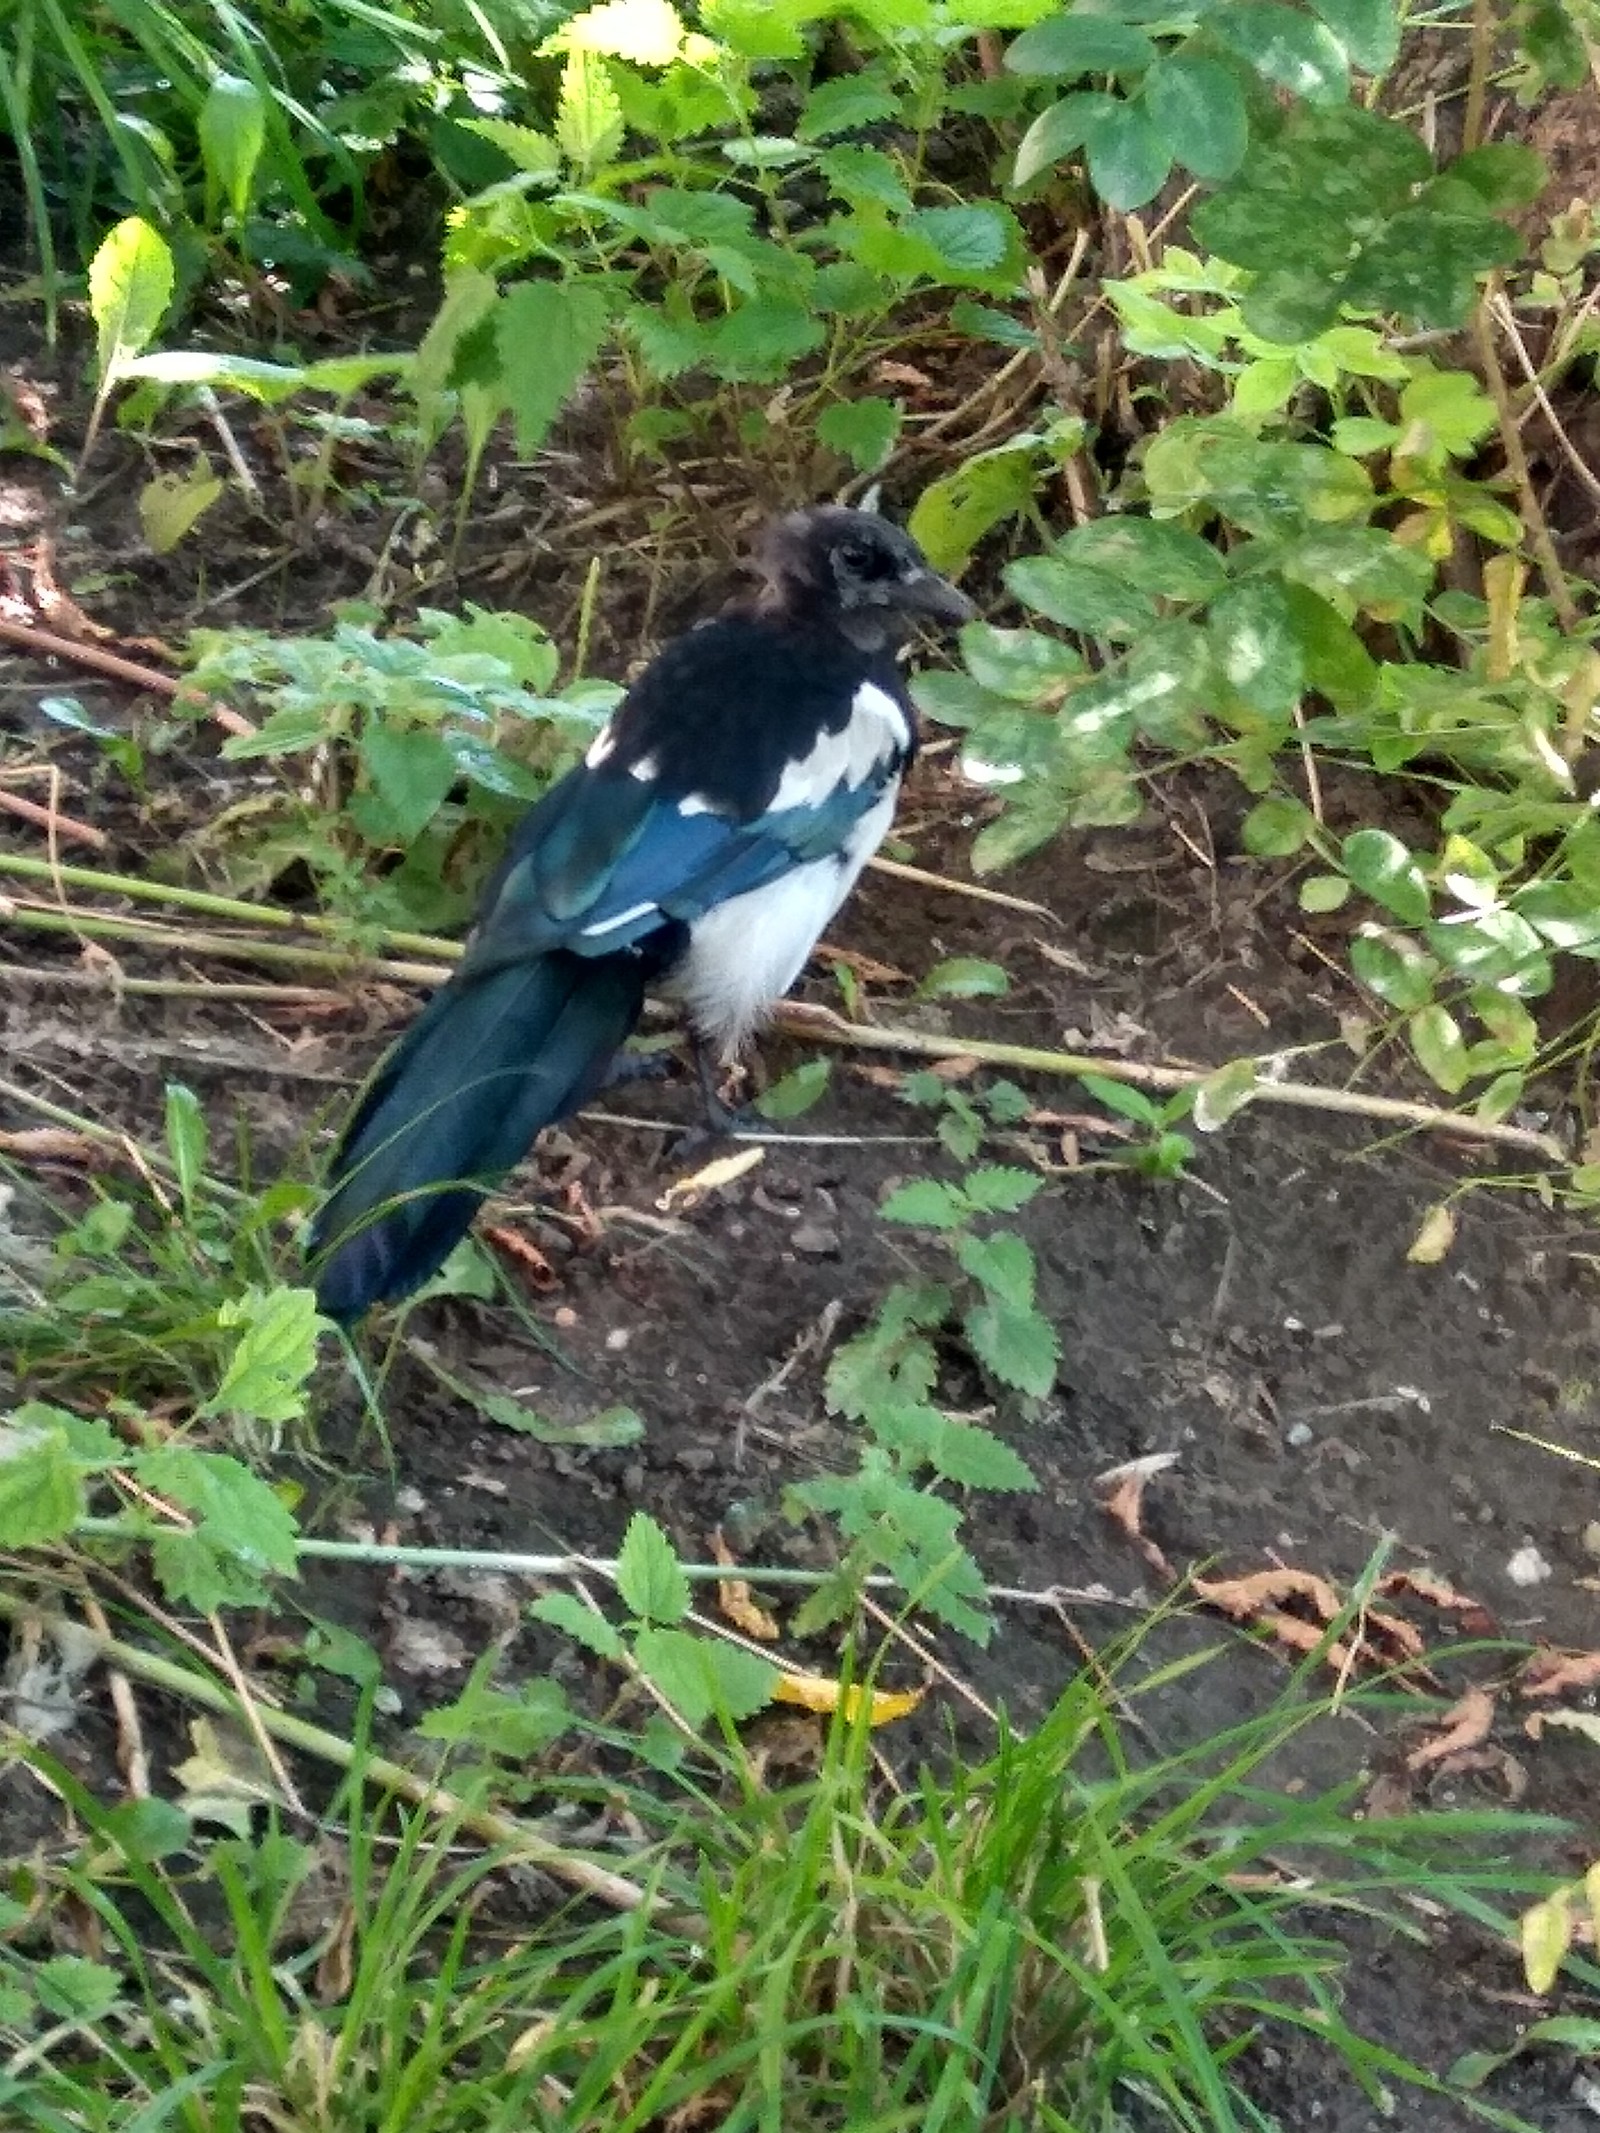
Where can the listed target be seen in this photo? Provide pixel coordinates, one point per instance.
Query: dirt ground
(1258, 1319)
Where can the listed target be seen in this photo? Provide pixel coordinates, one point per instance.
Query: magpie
(716, 824)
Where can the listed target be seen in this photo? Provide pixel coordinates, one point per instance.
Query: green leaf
(975, 1458)
(131, 280)
(1382, 868)
(170, 505)
(535, 154)
(516, 1728)
(232, 129)
(1198, 108)
(1003, 1265)
(1399, 971)
(1129, 156)
(1285, 48)
(649, 1575)
(41, 1494)
(761, 339)
(1440, 1047)
(566, 1612)
(1277, 828)
(1159, 559)
(703, 1679)
(1080, 596)
(238, 1513)
(73, 1989)
(1320, 893)
(970, 239)
(1223, 1094)
(588, 113)
(547, 334)
(926, 1203)
(1369, 30)
(953, 514)
(1122, 1098)
(1504, 174)
(1019, 1348)
(1256, 644)
(1494, 948)
(964, 977)
(799, 1089)
(1070, 44)
(1022, 664)
(1058, 132)
(1000, 1188)
(843, 104)
(862, 430)
(410, 771)
(186, 1142)
(274, 1357)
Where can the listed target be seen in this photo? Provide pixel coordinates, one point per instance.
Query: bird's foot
(628, 1067)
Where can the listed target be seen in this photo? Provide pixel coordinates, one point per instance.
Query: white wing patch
(876, 731)
(623, 918)
(600, 747)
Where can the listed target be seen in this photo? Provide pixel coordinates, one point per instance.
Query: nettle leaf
(589, 112)
(703, 1679)
(1003, 1265)
(975, 1458)
(238, 1513)
(411, 771)
(547, 334)
(761, 339)
(843, 105)
(863, 430)
(865, 177)
(535, 154)
(1382, 868)
(1075, 43)
(1198, 108)
(1019, 1348)
(926, 1203)
(1129, 156)
(566, 1612)
(1000, 1188)
(41, 1491)
(1080, 596)
(972, 239)
(1285, 47)
(953, 514)
(799, 1089)
(649, 1575)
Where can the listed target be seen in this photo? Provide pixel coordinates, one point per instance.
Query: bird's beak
(935, 599)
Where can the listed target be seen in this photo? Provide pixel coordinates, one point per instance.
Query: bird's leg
(627, 1067)
(721, 1118)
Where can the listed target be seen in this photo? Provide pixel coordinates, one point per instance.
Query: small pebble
(1298, 1435)
(1591, 1537)
(565, 1317)
(618, 1338)
(1528, 1567)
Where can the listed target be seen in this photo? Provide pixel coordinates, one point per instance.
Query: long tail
(453, 1107)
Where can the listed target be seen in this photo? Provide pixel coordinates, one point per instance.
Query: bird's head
(856, 570)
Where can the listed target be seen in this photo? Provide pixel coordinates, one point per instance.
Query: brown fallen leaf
(866, 967)
(737, 1601)
(1560, 1674)
(824, 1695)
(51, 1144)
(1124, 1506)
(894, 373)
(1465, 1725)
(1245, 1598)
(1488, 1762)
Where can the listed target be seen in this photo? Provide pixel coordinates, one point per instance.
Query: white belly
(744, 956)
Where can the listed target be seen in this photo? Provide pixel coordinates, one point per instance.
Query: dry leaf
(1435, 1237)
(1545, 1930)
(821, 1693)
(51, 1144)
(1585, 1722)
(1560, 1673)
(726, 1170)
(224, 1778)
(737, 1602)
(1123, 1507)
(1466, 1725)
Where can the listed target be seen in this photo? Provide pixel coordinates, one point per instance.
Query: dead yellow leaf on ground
(737, 1601)
(1545, 1930)
(1435, 1237)
(726, 1170)
(1560, 1673)
(820, 1693)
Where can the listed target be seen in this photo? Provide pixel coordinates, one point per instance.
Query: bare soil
(1259, 1318)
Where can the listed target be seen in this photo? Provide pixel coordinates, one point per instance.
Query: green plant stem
(264, 993)
(23, 868)
(615, 1890)
(290, 955)
(822, 1025)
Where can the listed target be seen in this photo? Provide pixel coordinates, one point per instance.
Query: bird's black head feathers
(856, 570)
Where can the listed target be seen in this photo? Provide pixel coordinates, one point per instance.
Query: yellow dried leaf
(737, 1601)
(726, 1170)
(819, 1692)
(1435, 1237)
(1545, 1930)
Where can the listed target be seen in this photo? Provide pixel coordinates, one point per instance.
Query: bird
(717, 822)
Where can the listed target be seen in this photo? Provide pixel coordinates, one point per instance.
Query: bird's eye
(862, 560)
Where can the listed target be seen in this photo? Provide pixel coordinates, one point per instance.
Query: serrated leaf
(975, 1458)
(238, 1513)
(926, 1203)
(546, 336)
(864, 430)
(588, 112)
(1198, 108)
(41, 1493)
(1076, 42)
(1003, 1265)
(274, 1355)
(649, 1575)
(1019, 1348)
(760, 339)
(566, 1612)
(972, 239)
(131, 280)
(843, 104)
(535, 154)
(799, 1089)
(1382, 868)
(1000, 1188)
(953, 514)
(232, 131)
(410, 771)
(702, 1679)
